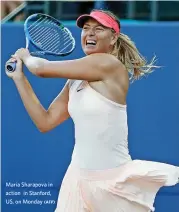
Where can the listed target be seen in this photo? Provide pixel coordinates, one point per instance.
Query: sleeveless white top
(101, 130)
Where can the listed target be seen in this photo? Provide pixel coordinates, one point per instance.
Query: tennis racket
(48, 35)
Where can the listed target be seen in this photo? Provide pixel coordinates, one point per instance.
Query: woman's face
(95, 38)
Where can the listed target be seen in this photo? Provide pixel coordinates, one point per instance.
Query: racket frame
(30, 40)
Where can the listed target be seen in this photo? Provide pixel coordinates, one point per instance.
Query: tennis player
(101, 177)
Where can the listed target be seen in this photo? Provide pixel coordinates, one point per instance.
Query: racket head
(48, 35)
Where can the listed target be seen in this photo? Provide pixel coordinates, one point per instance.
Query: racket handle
(11, 66)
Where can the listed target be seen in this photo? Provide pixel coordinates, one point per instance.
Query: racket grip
(11, 66)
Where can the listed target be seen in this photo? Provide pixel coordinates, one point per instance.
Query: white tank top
(101, 130)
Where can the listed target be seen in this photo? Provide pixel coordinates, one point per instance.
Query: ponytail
(126, 51)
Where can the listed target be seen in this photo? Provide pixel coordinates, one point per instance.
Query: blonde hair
(126, 51)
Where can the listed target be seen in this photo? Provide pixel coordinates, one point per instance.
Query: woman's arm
(95, 67)
(45, 120)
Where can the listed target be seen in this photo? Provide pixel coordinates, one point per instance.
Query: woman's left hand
(22, 53)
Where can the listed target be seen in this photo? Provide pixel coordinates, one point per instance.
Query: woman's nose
(91, 31)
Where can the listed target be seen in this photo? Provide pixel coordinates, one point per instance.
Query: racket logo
(39, 44)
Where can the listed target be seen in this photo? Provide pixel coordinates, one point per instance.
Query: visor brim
(83, 18)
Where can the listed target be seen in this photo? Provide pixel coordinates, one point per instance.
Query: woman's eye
(99, 28)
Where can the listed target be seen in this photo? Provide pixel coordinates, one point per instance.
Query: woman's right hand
(18, 73)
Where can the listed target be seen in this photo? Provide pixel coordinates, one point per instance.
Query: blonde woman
(101, 177)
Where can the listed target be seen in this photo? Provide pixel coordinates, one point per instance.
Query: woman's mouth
(90, 43)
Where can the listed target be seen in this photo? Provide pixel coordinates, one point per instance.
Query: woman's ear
(114, 38)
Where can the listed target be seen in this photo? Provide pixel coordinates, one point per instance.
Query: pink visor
(101, 17)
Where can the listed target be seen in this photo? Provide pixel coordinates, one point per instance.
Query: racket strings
(41, 34)
(49, 36)
(54, 36)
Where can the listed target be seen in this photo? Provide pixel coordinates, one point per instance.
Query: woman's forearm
(34, 64)
(33, 106)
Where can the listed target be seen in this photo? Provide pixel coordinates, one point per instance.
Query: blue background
(153, 109)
